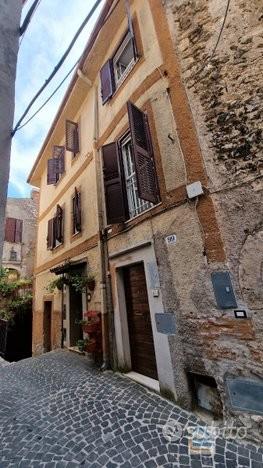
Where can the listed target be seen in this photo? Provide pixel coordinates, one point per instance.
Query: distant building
(20, 235)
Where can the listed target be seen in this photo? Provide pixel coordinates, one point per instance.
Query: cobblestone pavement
(56, 411)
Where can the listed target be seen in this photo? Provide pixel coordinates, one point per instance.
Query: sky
(46, 39)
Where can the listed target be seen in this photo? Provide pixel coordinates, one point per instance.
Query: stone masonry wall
(225, 91)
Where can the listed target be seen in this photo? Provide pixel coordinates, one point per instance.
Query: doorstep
(75, 349)
(148, 382)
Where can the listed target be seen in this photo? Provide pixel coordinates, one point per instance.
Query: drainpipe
(102, 242)
(62, 318)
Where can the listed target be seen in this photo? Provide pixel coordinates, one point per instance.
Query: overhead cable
(57, 67)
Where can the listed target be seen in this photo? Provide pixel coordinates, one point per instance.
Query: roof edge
(93, 36)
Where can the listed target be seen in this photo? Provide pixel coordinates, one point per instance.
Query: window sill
(74, 159)
(76, 236)
(117, 229)
(142, 213)
(59, 180)
(58, 247)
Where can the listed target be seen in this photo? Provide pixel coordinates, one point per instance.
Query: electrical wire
(221, 30)
(57, 67)
(50, 97)
(29, 16)
(64, 79)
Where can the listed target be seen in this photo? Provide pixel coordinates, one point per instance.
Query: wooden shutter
(10, 229)
(113, 187)
(50, 242)
(52, 168)
(59, 224)
(59, 155)
(77, 210)
(107, 81)
(18, 230)
(72, 136)
(143, 156)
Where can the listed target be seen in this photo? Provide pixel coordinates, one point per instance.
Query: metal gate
(3, 337)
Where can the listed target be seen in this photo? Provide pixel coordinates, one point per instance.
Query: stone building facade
(20, 235)
(223, 82)
(168, 204)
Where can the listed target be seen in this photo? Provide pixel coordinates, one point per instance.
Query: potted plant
(84, 324)
(81, 345)
(57, 283)
(91, 283)
(91, 345)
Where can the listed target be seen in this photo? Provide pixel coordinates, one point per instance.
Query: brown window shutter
(10, 229)
(18, 230)
(107, 81)
(113, 187)
(50, 233)
(77, 209)
(72, 137)
(143, 156)
(59, 155)
(59, 225)
(52, 171)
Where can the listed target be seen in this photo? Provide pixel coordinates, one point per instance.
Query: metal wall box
(223, 290)
(165, 323)
(246, 394)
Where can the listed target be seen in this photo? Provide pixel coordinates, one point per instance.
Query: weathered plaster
(10, 12)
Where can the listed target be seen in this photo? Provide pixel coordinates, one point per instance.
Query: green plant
(78, 282)
(13, 297)
(57, 283)
(81, 345)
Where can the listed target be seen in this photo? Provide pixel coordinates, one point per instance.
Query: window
(55, 234)
(135, 204)
(130, 181)
(72, 137)
(76, 212)
(13, 230)
(115, 70)
(124, 59)
(13, 255)
(56, 165)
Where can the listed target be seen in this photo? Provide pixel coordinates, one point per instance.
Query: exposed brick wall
(225, 91)
(227, 85)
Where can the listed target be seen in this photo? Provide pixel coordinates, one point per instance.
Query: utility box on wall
(223, 290)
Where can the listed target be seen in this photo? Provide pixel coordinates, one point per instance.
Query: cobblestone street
(56, 411)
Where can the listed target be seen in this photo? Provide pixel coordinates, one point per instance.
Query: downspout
(62, 317)
(102, 246)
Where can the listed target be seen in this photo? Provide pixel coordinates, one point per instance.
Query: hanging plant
(91, 283)
(57, 283)
(80, 283)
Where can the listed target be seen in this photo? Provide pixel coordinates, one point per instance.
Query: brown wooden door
(139, 321)
(47, 326)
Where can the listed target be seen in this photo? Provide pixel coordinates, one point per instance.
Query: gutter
(102, 242)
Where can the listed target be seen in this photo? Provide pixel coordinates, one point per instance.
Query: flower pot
(85, 327)
(91, 284)
(91, 328)
(91, 347)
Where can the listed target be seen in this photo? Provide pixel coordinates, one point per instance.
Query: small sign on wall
(165, 323)
(171, 239)
(245, 394)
